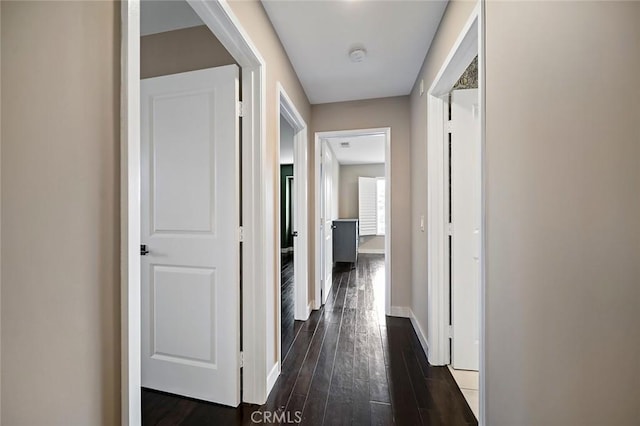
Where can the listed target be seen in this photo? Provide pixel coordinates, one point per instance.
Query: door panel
(327, 213)
(190, 211)
(465, 217)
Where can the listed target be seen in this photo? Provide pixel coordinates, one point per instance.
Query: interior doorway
(252, 213)
(455, 254)
(353, 207)
(293, 295)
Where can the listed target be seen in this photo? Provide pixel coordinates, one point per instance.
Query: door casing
(302, 307)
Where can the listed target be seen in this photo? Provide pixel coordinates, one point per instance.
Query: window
(371, 200)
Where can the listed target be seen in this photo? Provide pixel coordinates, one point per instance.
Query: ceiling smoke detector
(345, 145)
(357, 54)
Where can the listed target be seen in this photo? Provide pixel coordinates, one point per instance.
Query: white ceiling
(367, 149)
(318, 35)
(158, 16)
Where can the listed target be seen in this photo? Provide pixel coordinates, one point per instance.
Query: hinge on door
(449, 126)
(241, 359)
(240, 109)
(241, 234)
(450, 332)
(449, 228)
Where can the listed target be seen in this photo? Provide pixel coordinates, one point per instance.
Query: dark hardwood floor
(289, 327)
(348, 365)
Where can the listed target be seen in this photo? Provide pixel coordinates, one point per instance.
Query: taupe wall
(182, 50)
(254, 20)
(454, 18)
(386, 112)
(349, 175)
(60, 213)
(563, 213)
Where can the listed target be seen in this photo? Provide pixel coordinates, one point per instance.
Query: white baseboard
(370, 251)
(421, 335)
(272, 377)
(405, 312)
(400, 311)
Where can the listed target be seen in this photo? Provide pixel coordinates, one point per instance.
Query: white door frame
(302, 308)
(319, 137)
(470, 43)
(257, 202)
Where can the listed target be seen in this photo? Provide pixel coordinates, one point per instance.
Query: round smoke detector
(357, 54)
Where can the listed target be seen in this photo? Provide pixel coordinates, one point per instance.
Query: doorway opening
(293, 294)
(455, 215)
(248, 226)
(464, 218)
(353, 208)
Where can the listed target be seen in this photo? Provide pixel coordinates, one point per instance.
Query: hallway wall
(60, 213)
(373, 113)
(563, 209)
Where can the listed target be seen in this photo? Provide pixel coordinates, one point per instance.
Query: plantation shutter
(367, 205)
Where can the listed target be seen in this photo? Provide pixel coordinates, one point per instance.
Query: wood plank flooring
(347, 365)
(289, 327)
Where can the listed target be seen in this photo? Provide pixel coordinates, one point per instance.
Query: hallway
(348, 365)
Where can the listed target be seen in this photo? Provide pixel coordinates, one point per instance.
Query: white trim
(288, 110)
(301, 178)
(482, 418)
(258, 241)
(462, 53)
(370, 251)
(400, 311)
(319, 136)
(438, 294)
(273, 376)
(470, 43)
(130, 307)
(420, 332)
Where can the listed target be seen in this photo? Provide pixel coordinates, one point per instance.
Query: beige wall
(349, 175)
(387, 112)
(60, 213)
(256, 23)
(563, 213)
(182, 50)
(455, 16)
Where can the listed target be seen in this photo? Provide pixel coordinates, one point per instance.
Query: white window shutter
(367, 206)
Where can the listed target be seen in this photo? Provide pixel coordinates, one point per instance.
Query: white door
(465, 218)
(327, 225)
(190, 210)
